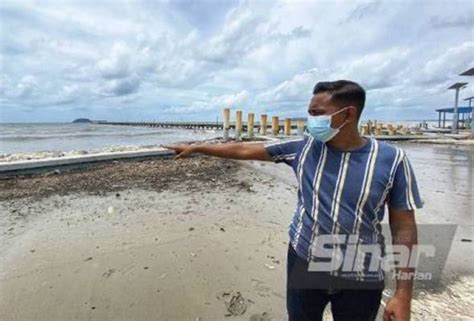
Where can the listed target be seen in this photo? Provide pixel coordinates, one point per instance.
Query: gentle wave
(4, 158)
(57, 138)
(66, 136)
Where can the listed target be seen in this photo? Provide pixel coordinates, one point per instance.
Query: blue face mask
(320, 127)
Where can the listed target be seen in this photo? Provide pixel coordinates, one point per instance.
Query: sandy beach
(176, 240)
(101, 221)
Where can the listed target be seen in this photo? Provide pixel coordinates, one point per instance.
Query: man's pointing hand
(182, 150)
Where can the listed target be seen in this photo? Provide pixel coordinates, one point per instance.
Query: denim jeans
(308, 293)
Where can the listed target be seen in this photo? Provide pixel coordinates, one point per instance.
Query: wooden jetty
(277, 127)
(239, 126)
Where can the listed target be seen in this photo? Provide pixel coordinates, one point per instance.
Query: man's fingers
(175, 149)
(180, 150)
(168, 146)
(387, 315)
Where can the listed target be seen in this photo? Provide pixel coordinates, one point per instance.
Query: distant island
(82, 120)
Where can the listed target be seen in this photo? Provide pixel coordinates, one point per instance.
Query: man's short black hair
(343, 93)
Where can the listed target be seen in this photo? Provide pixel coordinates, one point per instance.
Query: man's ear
(352, 114)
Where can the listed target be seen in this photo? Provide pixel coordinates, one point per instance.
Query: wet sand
(167, 240)
(159, 240)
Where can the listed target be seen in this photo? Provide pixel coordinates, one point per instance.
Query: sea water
(56, 138)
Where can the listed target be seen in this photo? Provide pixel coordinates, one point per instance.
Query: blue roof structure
(450, 110)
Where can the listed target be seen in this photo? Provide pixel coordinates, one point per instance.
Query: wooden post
(300, 127)
(263, 124)
(378, 130)
(369, 127)
(365, 130)
(226, 123)
(397, 129)
(275, 125)
(391, 130)
(287, 126)
(238, 125)
(251, 117)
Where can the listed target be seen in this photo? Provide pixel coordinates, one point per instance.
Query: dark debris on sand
(158, 175)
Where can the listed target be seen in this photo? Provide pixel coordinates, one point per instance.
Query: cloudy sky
(183, 59)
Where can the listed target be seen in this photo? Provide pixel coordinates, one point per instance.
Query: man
(344, 183)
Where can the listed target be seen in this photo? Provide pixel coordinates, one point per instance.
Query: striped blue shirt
(345, 193)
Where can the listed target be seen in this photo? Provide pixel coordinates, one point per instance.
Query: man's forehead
(321, 99)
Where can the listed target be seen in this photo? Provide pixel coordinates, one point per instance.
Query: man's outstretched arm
(249, 151)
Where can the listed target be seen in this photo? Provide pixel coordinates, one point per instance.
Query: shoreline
(19, 164)
(166, 240)
(41, 162)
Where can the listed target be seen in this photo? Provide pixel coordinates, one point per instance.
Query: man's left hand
(397, 309)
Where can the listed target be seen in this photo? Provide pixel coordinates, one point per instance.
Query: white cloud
(25, 88)
(214, 104)
(118, 64)
(120, 87)
(236, 100)
(300, 85)
(173, 58)
(448, 64)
